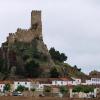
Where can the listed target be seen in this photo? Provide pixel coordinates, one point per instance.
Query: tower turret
(36, 23)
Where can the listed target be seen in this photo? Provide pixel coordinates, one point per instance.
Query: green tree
(63, 89)
(85, 89)
(33, 90)
(7, 87)
(78, 88)
(47, 89)
(63, 57)
(54, 73)
(79, 69)
(32, 69)
(57, 56)
(20, 88)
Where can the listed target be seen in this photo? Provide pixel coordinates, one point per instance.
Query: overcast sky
(71, 26)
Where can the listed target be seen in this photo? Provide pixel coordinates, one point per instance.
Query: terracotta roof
(67, 79)
(6, 82)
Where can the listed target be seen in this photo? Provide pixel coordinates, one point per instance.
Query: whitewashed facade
(41, 86)
(76, 81)
(62, 82)
(26, 84)
(2, 87)
(93, 81)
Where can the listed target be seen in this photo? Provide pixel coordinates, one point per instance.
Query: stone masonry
(23, 35)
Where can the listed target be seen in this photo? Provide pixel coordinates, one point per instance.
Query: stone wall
(24, 35)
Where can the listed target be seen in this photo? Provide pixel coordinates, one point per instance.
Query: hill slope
(24, 55)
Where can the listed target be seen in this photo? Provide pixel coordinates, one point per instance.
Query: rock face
(25, 43)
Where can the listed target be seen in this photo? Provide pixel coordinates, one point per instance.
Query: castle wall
(25, 35)
(35, 31)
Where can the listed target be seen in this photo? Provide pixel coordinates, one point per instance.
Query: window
(55, 82)
(25, 82)
(61, 82)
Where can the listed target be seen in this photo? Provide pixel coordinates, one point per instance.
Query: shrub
(20, 88)
(63, 89)
(54, 73)
(7, 87)
(47, 89)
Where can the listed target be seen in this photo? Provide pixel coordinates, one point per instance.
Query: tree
(57, 56)
(63, 89)
(20, 88)
(88, 89)
(47, 89)
(85, 89)
(63, 57)
(54, 73)
(78, 88)
(33, 90)
(79, 69)
(7, 87)
(32, 69)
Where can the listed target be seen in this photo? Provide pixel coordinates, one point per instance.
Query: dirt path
(42, 98)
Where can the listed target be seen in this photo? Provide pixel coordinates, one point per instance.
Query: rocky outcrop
(25, 43)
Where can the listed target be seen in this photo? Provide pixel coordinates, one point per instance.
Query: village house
(3, 83)
(39, 83)
(76, 81)
(26, 83)
(62, 81)
(95, 78)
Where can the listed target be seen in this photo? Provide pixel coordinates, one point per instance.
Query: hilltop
(24, 55)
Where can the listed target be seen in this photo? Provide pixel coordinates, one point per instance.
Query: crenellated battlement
(27, 35)
(22, 30)
(36, 11)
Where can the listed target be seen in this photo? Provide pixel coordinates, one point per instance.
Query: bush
(47, 89)
(78, 88)
(54, 73)
(85, 89)
(32, 69)
(57, 56)
(7, 87)
(20, 88)
(63, 89)
(33, 89)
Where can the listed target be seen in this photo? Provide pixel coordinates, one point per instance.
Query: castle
(25, 45)
(35, 31)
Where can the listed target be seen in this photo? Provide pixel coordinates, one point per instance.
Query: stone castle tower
(27, 35)
(36, 22)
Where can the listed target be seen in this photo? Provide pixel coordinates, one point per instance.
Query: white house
(40, 83)
(77, 81)
(62, 81)
(3, 83)
(2, 86)
(24, 83)
(93, 81)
